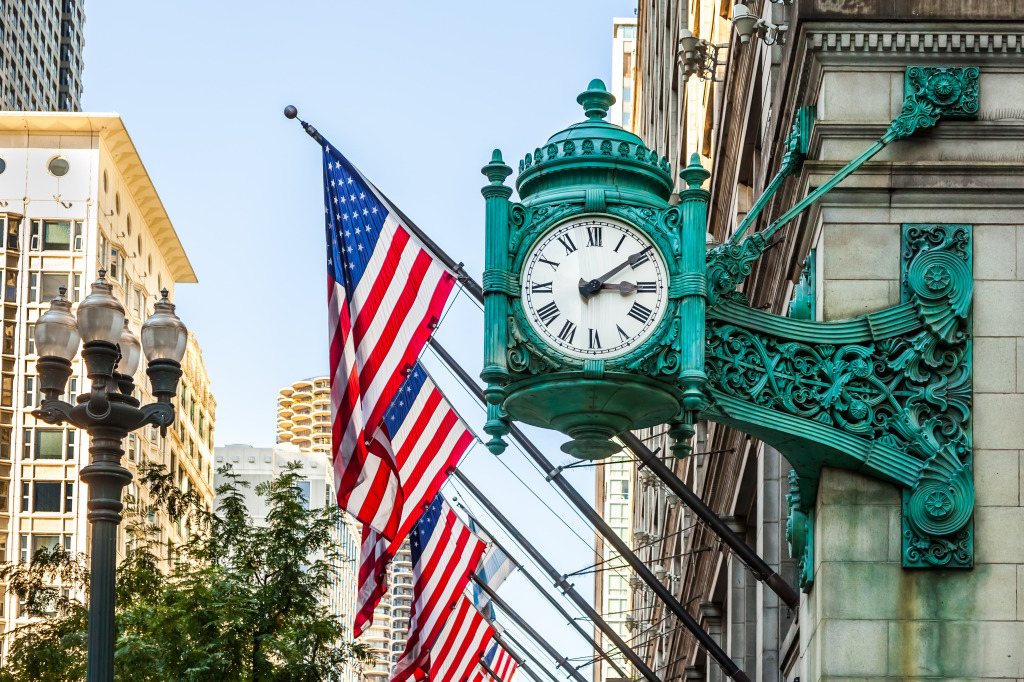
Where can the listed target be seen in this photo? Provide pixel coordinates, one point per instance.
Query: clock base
(591, 411)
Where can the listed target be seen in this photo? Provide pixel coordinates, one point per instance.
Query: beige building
(862, 615)
(304, 415)
(74, 198)
(41, 44)
(623, 65)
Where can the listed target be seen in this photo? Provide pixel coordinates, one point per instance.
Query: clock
(594, 288)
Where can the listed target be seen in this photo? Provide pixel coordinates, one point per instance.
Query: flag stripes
(455, 656)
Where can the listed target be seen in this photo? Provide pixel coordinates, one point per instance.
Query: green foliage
(240, 602)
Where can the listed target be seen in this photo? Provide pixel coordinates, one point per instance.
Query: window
(47, 496)
(11, 285)
(616, 585)
(12, 233)
(627, 94)
(76, 288)
(7, 390)
(49, 542)
(26, 491)
(616, 512)
(56, 235)
(137, 302)
(133, 446)
(69, 498)
(103, 251)
(117, 203)
(33, 286)
(8, 342)
(52, 282)
(115, 267)
(5, 442)
(627, 64)
(5, 489)
(106, 184)
(58, 166)
(34, 241)
(304, 493)
(30, 392)
(627, 118)
(69, 450)
(49, 443)
(128, 222)
(78, 235)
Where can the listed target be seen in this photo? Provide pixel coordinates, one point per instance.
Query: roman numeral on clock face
(568, 332)
(594, 235)
(542, 288)
(548, 313)
(622, 334)
(566, 241)
(640, 313)
(595, 342)
(553, 264)
(646, 287)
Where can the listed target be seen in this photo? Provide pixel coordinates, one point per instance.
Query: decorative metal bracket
(888, 393)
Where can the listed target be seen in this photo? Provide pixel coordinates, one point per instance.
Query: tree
(241, 603)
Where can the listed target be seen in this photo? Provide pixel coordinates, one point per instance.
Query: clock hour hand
(588, 289)
(621, 287)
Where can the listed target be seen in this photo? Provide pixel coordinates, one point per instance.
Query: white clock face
(594, 288)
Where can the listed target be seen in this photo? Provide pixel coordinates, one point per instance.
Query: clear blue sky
(417, 95)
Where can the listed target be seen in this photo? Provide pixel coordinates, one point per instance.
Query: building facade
(623, 66)
(304, 415)
(41, 44)
(862, 614)
(74, 199)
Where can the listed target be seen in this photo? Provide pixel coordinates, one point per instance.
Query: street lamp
(699, 56)
(748, 24)
(107, 413)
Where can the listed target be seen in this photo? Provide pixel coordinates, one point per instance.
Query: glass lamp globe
(100, 315)
(744, 21)
(687, 41)
(56, 330)
(131, 352)
(164, 335)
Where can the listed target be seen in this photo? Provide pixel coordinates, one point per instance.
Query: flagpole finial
(290, 111)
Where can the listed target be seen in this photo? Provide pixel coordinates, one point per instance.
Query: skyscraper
(41, 43)
(304, 415)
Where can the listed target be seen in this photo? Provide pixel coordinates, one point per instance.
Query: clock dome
(595, 152)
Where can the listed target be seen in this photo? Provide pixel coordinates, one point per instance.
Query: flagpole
(561, 583)
(518, 620)
(639, 567)
(526, 652)
(761, 570)
(490, 672)
(515, 656)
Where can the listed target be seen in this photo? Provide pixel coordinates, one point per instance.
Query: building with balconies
(304, 415)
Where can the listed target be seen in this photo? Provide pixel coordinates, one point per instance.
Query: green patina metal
(801, 306)
(887, 394)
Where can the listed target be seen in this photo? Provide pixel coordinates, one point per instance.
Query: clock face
(594, 288)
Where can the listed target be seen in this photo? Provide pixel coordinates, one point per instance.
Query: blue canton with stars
(421, 533)
(354, 217)
(398, 410)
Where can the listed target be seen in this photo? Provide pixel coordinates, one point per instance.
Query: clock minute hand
(588, 289)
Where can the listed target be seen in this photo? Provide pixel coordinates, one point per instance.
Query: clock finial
(596, 100)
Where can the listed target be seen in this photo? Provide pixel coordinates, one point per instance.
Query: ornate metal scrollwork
(904, 396)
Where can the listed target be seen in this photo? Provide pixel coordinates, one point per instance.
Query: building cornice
(118, 143)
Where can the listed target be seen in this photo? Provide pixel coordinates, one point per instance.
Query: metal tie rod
(518, 620)
(761, 570)
(561, 583)
(640, 568)
(526, 652)
(515, 656)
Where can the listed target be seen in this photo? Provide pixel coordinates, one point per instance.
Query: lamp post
(108, 413)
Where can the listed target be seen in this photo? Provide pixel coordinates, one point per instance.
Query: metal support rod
(518, 620)
(828, 185)
(489, 670)
(761, 570)
(515, 656)
(561, 583)
(688, 621)
(761, 202)
(526, 652)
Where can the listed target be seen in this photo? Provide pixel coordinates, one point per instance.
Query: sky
(417, 95)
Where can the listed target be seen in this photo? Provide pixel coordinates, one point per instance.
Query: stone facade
(864, 616)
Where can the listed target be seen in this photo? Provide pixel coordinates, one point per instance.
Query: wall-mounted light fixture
(698, 56)
(748, 24)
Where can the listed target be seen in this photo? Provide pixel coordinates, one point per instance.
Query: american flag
(444, 553)
(427, 438)
(499, 660)
(385, 293)
(455, 656)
